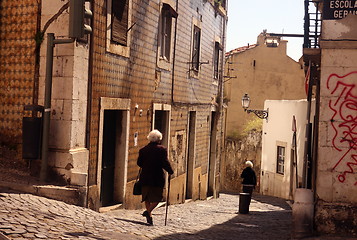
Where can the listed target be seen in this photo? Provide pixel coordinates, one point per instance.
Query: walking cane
(167, 199)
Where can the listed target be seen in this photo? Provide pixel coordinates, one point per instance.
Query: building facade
(18, 27)
(283, 145)
(264, 71)
(147, 65)
(332, 61)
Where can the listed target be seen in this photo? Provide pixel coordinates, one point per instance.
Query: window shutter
(217, 49)
(120, 21)
(167, 13)
(196, 48)
(170, 10)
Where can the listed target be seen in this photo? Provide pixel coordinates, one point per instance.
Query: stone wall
(336, 185)
(237, 152)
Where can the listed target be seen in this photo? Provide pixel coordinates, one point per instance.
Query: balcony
(312, 31)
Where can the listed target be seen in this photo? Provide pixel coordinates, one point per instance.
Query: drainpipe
(223, 125)
(89, 101)
(89, 91)
(307, 149)
(47, 106)
(174, 59)
(316, 134)
(219, 100)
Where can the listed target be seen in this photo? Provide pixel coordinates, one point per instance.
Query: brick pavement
(26, 216)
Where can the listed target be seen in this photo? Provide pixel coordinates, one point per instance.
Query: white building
(278, 172)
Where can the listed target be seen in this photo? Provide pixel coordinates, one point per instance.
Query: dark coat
(152, 160)
(248, 176)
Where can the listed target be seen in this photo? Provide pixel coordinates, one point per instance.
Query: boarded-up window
(196, 48)
(120, 21)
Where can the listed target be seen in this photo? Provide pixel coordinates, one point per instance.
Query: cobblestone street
(25, 216)
(269, 218)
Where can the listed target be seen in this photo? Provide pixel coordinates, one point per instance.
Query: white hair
(249, 164)
(154, 136)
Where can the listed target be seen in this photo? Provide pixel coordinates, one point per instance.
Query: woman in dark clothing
(249, 178)
(152, 160)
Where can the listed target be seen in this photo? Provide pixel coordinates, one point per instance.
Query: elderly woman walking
(153, 160)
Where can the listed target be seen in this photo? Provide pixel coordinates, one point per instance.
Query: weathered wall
(92, 76)
(136, 73)
(237, 152)
(68, 155)
(336, 188)
(18, 26)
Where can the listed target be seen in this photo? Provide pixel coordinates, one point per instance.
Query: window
(221, 2)
(280, 160)
(118, 27)
(167, 13)
(195, 61)
(216, 57)
(272, 42)
(165, 34)
(119, 21)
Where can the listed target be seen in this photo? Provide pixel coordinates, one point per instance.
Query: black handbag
(137, 185)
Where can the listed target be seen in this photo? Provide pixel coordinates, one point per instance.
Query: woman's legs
(151, 196)
(150, 206)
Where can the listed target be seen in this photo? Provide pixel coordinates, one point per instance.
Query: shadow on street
(258, 224)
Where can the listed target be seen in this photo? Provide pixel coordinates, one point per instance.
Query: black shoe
(149, 220)
(145, 214)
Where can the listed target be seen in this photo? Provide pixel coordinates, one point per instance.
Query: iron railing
(312, 24)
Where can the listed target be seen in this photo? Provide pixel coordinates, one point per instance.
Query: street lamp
(263, 114)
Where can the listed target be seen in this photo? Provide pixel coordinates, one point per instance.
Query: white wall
(277, 130)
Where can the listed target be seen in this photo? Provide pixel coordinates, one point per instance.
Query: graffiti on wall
(344, 122)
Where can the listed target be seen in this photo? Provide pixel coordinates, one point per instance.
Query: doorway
(161, 117)
(113, 157)
(212, 157)
(161, 123)
(190, 153)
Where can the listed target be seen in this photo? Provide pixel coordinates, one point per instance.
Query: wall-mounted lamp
(263, 114)
(136, 109)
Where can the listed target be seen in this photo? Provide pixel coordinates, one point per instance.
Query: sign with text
(338, 9)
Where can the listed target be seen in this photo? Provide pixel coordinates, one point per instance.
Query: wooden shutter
(120, 21)
(216, 59)
(196, 48)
